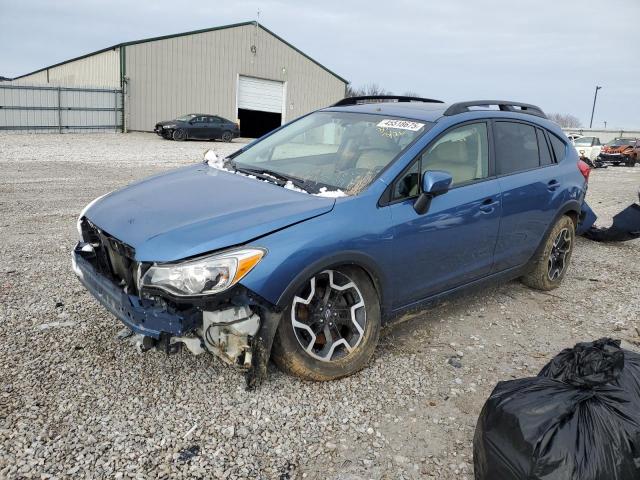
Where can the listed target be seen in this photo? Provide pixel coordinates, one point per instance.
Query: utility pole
(595, 96)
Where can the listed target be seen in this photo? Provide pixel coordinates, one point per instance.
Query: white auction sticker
(402, 124)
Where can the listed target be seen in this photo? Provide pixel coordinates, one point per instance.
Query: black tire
(227, 137)
(179, 135)
(545, 273)
(631, 162)
(339, 361)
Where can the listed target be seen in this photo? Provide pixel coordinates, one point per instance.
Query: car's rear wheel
(227, 136)
(550, 265)
(331, 327)
(179, 134)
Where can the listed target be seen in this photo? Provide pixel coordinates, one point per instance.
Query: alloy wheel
(179, 134)
(329, 317)
(558, 256)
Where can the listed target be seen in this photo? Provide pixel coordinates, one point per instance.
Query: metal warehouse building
(242, 71)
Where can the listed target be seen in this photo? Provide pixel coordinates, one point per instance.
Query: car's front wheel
(551, 263)
(179, 134)
(331, 327)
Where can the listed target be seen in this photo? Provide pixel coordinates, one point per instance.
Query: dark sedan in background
(198, 126)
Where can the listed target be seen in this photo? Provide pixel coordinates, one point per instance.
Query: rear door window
(559, 148)
(543, 148)
(516, 146)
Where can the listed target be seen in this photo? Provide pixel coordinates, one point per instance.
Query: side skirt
(495, 278)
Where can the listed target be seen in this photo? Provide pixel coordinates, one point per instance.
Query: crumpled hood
(618, 149)
(198, 209)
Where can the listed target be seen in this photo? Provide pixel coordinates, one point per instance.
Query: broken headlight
(204, 275)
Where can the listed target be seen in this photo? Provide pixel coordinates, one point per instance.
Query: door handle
(552, 185)
(488, 205)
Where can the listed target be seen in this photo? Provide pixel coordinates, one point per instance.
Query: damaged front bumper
(611, 158)
(143, 317)
(238, 330)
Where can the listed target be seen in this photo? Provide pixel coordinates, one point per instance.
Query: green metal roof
(192, 32)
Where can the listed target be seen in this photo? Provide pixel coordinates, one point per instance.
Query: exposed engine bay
(226, 333)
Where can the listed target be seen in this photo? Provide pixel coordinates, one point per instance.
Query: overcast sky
(548, 52)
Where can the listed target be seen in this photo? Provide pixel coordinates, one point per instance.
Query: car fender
(571, 206)
(356, 233)
(348, 257)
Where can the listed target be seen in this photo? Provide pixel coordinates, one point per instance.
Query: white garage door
(259, 94)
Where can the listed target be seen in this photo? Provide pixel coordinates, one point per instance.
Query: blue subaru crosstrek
(299, 246)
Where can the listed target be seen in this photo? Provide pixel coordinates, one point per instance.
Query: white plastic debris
(213, 160)
(330, 193)
(46, 326)
(193, 429)
(290, 186)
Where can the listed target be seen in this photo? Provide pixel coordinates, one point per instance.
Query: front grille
(113, 258)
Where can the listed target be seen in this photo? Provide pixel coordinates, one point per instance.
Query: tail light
(584, 170)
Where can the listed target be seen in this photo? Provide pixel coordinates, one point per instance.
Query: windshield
(339, 150)
(618, 142)
(185, 118)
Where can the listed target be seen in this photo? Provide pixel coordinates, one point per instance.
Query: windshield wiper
(261, 176)
(271, 176)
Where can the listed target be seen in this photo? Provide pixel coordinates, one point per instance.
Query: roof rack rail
(504, 105)
(397, 98)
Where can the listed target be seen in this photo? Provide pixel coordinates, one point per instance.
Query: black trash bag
(587, 364)
(579, 419)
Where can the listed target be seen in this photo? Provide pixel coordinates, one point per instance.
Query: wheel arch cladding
(343, 259)
(570, 209)
(573, 215)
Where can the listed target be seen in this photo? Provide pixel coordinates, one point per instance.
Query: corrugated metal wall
(99, 70)
(59, 109)
(199, 73)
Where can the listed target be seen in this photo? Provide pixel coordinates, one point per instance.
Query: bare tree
(565, 120)
(411, 93)
(369, 89)
(375, 89)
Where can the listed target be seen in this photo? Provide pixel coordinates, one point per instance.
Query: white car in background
(588, 147)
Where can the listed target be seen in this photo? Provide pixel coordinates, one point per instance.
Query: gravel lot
(76, 402)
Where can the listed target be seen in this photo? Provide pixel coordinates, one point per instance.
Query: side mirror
(434, 183)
